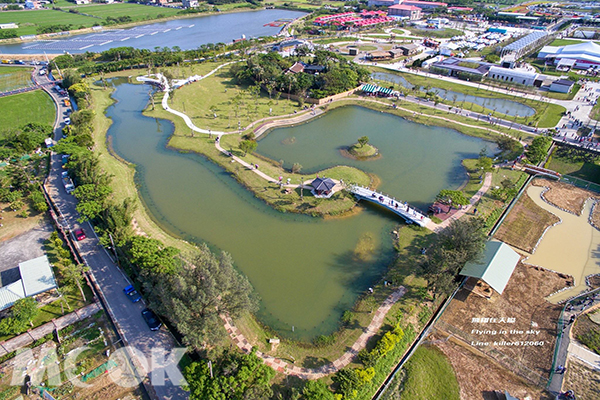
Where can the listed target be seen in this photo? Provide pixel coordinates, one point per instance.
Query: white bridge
(403, 209)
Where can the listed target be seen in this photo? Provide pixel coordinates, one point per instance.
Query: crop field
(137, 12)
(12, 78)
(28, 21)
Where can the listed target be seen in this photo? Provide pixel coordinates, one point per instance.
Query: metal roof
(525, 41)
(37, 276)
(11, 293)
(496, 267)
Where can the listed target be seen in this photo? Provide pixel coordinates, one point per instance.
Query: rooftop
(496, 266)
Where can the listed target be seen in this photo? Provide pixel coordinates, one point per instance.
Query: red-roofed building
(424, 4)
(402, 10)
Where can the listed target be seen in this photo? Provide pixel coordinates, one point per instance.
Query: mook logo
(127, 367)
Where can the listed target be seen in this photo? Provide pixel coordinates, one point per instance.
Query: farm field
(12, 78)
(137, 12)
(29, 21)
(38, 104)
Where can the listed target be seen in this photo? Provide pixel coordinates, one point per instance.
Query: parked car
(67, 121)
(79, 234)
(133, 295)
(151, 319)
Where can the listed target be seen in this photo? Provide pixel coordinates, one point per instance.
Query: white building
(586, 55)
(515, 76)
(190, 3)
(561, 86)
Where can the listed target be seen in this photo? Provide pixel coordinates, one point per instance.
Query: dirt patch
(517, 328)
(565, 196)
(525, 224)
(474, 383)
(582, 379)
(595, 217)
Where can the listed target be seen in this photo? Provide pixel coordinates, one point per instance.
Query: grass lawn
(435, 33)
(563, 96)
(583, 170)
(23, 108)
(12, 78)
(429, 375)
(335, 40)
(565, 42)
(29, 20)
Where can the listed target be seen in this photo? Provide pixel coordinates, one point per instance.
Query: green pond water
(303, 268)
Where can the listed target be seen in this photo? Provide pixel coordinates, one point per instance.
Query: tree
(25, 310)
(461, 242)
(235, 377)
(248, 146)
(296, 168)
(205, 287)
(363, 140)
(484, 164)
(538, 149)
(316, 390)
(74, 274)
(151, 256)
(454, 197)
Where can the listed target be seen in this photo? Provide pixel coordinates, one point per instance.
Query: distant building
(11, 25)
(409, 49)
(561, 86)
(516, 76)
(382, 3)
(32, 5)
(322, 187)
(83, 1)
(402, 10)
(468, 70)
(425, 5)
(296, 68)
(586, 55)
(189, 3)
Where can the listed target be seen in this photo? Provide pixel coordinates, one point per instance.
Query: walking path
(487, 182)
(315, 373)
(583, 354)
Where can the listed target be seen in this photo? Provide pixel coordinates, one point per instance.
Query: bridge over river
(403, 209)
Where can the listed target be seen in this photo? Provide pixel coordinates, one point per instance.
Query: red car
(79, 234)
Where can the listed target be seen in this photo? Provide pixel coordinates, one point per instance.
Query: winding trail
(315, 373)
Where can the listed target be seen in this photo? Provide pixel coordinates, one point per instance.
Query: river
(187, 33)
(304, 269)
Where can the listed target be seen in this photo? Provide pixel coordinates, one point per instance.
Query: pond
(504, 106)
(305, 269)
(187, 33)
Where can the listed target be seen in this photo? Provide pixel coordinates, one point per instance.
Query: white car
(67, 121)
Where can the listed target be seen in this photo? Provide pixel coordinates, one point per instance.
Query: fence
(506, 361)
(581, 183)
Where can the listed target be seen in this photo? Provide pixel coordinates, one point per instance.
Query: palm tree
(74, 274)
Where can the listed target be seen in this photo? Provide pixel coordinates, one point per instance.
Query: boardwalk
(316, 373)
(403, 209)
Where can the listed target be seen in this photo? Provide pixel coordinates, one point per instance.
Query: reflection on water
(504, 106)
(571, 247)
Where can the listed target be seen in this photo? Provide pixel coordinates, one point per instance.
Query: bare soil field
(583, 380)
(526, 344)
(478, 377)
(525, 224)
(565, 196)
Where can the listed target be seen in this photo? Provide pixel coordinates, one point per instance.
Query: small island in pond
(361, 150)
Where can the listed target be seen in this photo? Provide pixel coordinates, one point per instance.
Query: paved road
(111, 281)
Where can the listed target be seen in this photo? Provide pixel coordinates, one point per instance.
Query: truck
(68, 184)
